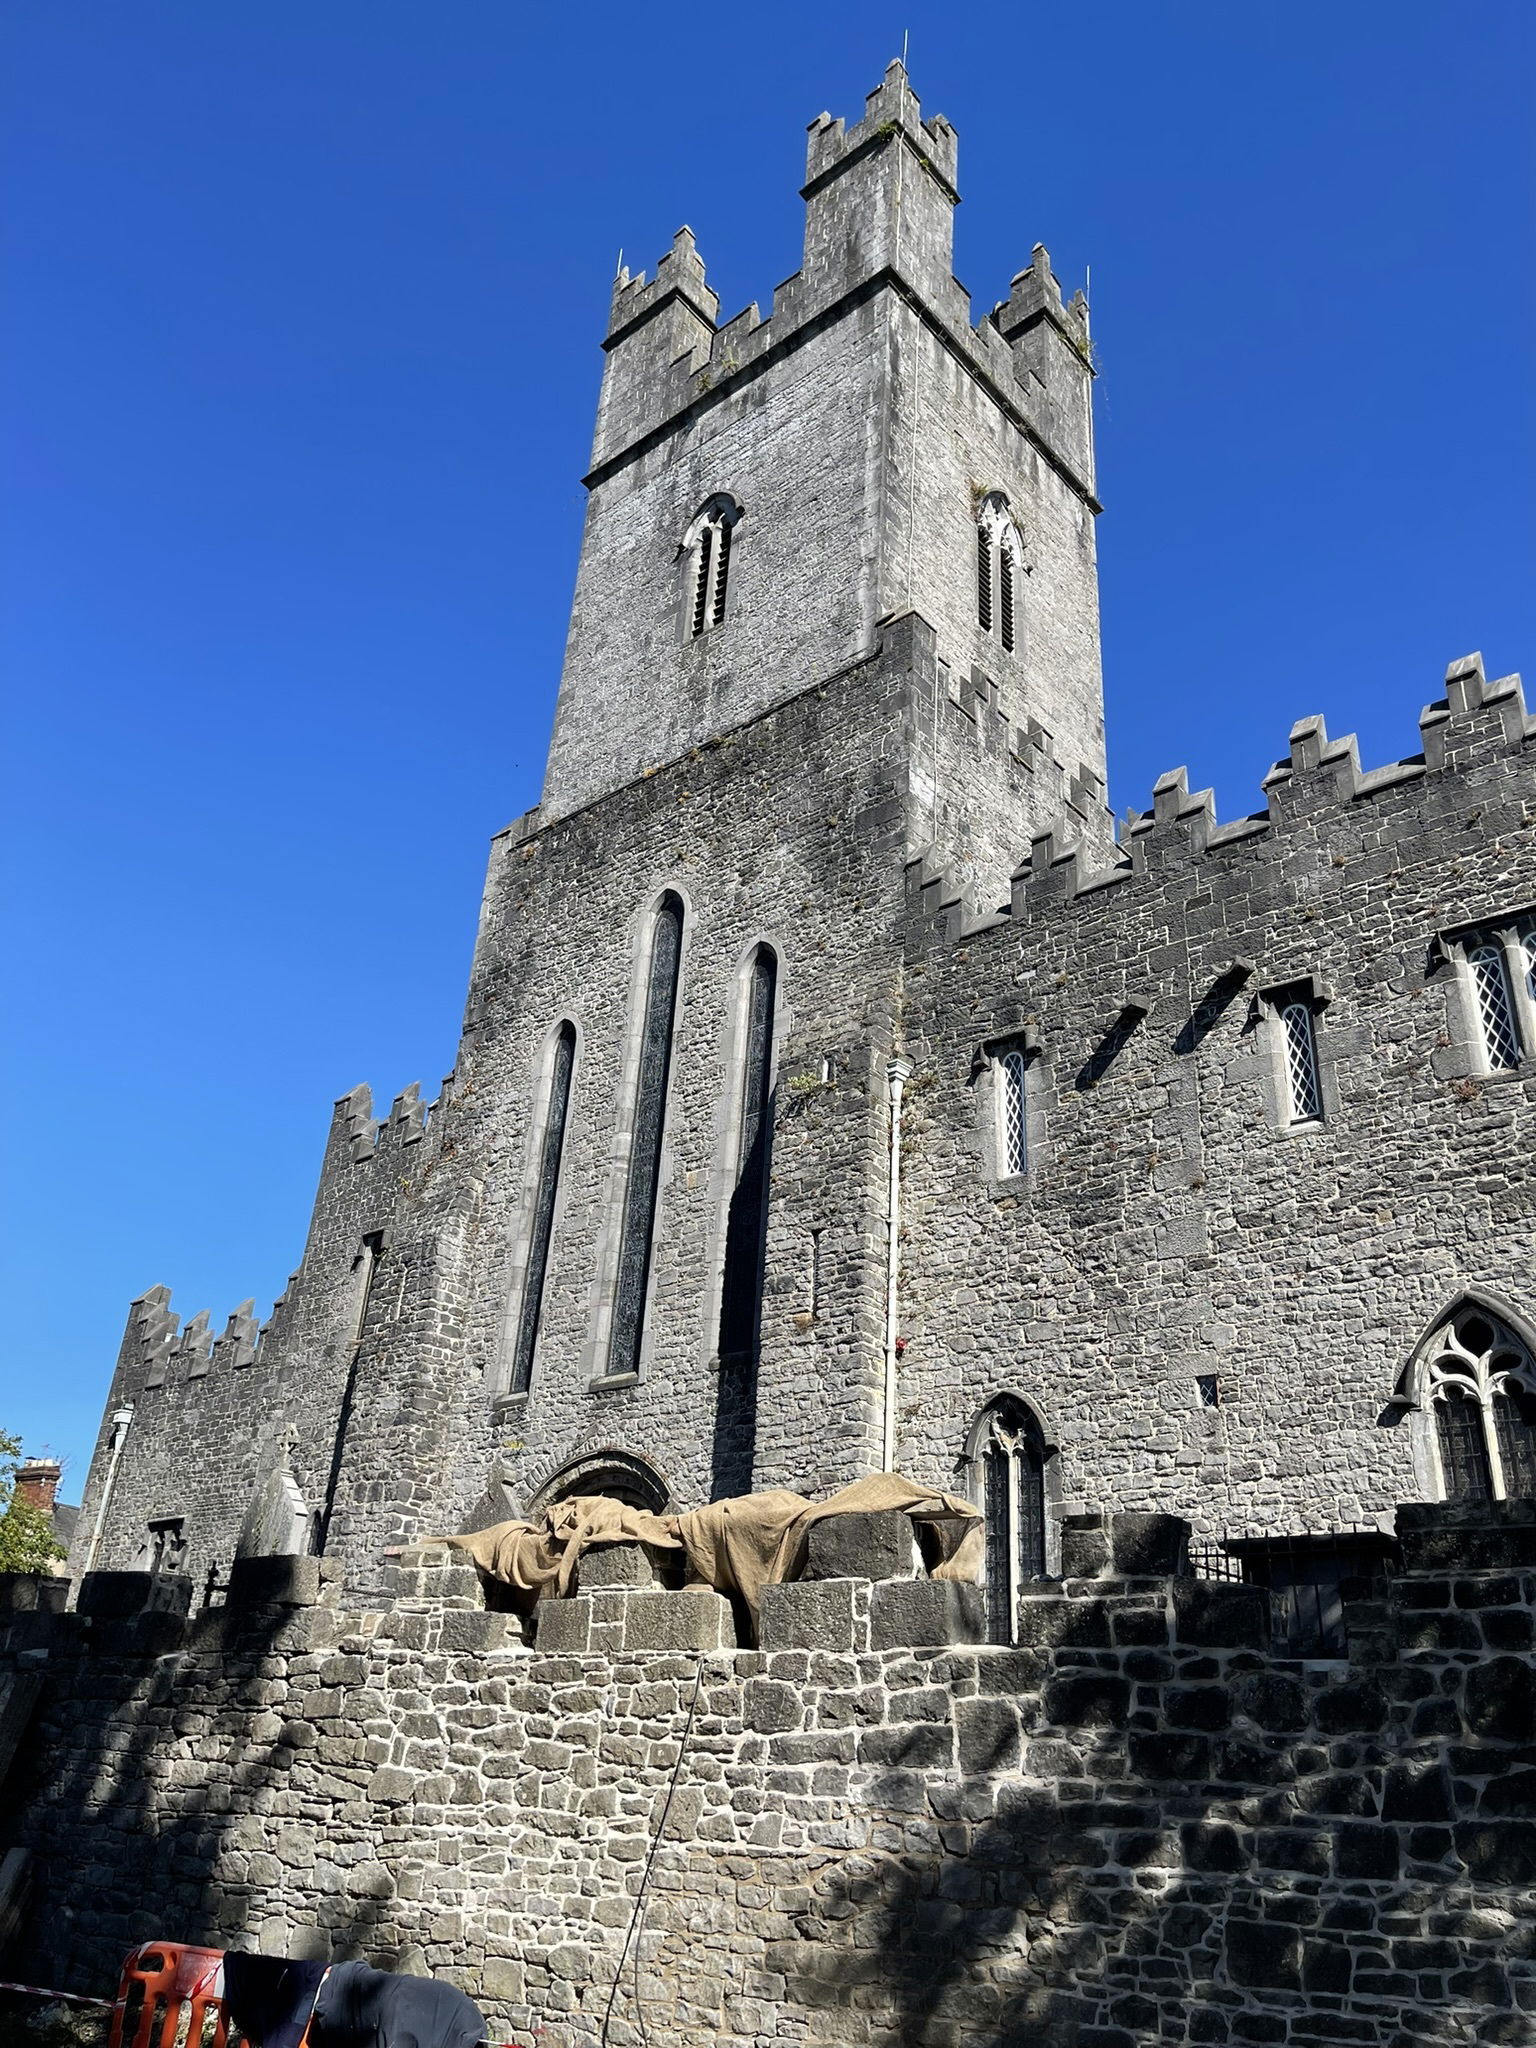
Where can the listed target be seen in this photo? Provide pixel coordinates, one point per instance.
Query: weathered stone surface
(924, 1611)
(1226, 1617)
(563, 1625)
(842, 1822)
(615, 1564)
(114, 1595)
(277, 1581)
(823, 1614)
(692, 1618)
(878, 1546)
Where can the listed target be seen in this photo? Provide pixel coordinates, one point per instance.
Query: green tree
(26, 1533)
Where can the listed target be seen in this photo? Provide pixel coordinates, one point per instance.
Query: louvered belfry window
(708, 552)
(998, 568)
(703, 580)
(655, 1067)
(545, 1192)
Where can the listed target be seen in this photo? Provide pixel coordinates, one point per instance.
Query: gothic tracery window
(545, 1193)
(707, 554)
(999, 563)
(1478, 1380)
(637, 1235)
(1008, 1456)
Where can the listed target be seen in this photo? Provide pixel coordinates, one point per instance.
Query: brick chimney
(37, 1481)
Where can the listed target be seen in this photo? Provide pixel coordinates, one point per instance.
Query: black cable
(645, 1876)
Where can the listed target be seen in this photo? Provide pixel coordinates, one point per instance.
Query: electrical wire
(637, 1916)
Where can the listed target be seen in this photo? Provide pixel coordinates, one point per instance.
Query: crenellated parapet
(1075, 793)
(1475, 723)
(159, 1350)
(880, 198)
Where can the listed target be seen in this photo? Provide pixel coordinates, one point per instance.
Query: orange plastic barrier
(170, 1992)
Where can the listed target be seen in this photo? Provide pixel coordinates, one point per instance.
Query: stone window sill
(610, 1382)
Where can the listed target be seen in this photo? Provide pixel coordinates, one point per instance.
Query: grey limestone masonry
(1136, 1825)
(1209, 1133)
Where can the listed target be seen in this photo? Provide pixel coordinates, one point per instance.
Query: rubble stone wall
(1137, 1824)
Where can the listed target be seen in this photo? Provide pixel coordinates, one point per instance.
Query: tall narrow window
(1304, 1094)
(703, 576)
(545, 1192)
(707, 552)
(998, 566)
(722, 574)
(1514, 1421)
(1011, 1455)
(742, 1283)
(1495, 1011)
(1479, 1381)
(655, 1067)
(1463, 1451)
(1015, 1146)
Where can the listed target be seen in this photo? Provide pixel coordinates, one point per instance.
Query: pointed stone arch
(1469, 1387)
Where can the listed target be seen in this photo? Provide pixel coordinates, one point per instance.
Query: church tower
(835, 627)
(764, 493)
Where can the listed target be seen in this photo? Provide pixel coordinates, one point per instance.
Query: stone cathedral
(841, 1092)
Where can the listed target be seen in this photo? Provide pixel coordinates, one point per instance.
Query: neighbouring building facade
(839, 1091)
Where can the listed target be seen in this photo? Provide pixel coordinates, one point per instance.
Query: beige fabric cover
(736, 1546)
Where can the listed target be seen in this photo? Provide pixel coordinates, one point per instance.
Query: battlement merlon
(880, 200)
(1477, 724)
(677, 294)
(882, 196)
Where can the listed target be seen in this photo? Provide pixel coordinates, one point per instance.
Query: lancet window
(545, 1192)
(707, 555)
(741, 1293)
(637, 1235)
(1498, 964)
(1478, 1381)
(998, 568)
(744, 1228)
(1012, 1105)
(1303, 1081)
(1008, 1464)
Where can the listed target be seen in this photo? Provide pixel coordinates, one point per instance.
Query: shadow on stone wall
(148, 1818)
(1159, 1832)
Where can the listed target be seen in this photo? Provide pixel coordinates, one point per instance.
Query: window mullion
(1518, 973)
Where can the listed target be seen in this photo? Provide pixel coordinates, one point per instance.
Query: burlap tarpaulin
(736, 1546)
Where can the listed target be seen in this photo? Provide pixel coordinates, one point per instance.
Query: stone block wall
(1136, 1825)
(1170, 1226)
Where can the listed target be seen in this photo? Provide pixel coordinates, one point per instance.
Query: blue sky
(301, 349)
